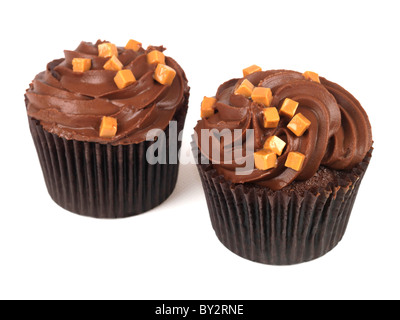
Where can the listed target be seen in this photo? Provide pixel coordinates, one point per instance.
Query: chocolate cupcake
(104, 120)
(281, 156)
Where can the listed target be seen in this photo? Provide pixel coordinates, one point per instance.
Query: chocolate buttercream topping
(339, 136)
(71, 105)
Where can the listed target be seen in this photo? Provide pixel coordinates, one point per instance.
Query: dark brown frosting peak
(72, 104)
(339, 136)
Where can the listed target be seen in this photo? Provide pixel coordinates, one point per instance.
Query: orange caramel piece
(81, 64)
(299, 124)
(275, 145)
(164, 74)
(250, 70)
(124, 78)
(245, 88)
(309, 75)
(271, 117)
(295, 160)
(113, 64)
(108, 127)
(262, 95)
(289, 108)
(155, 56)
(107, 50)
(264, 160)
(207, 107)
(133, 45)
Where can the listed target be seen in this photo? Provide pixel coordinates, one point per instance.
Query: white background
(172, 252)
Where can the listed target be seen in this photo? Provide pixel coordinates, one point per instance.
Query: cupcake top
(108, 94)
(299, 122)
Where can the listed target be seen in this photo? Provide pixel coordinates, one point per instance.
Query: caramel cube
(271, 117)
(289, 108)
(155, 56)
(251, 70)
(108, 127)
(295, 160)
(81, 64)
(262, 95)
(264, 160)
(124, 78)
(107, 50)
(309, 75)
(299, 124)
(245, 88)
(164, 74)
(133, 45)
(275, 145)
(113, 64)
(207, 107)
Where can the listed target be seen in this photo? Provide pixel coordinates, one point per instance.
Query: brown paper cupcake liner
(104, 181)
(279, 227)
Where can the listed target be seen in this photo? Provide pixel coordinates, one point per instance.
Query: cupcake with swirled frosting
(91, 114)
(281, 158)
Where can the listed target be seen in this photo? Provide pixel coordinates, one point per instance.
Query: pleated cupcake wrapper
(278, 227)
(104, 181)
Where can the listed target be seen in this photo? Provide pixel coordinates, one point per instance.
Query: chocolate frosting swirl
(339, 136)
(71, 105)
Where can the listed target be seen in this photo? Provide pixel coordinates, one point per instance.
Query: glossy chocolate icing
(339, 136)
(71, 105)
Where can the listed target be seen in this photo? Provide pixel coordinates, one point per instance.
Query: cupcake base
(104, 181)
(284, 227)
